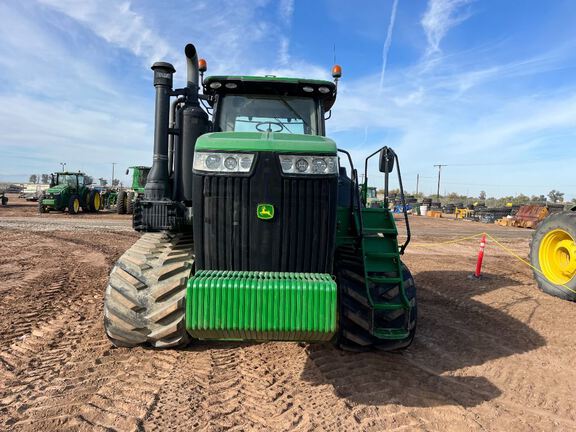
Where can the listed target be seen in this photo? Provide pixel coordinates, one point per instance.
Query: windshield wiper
(294, 111)
(282, 124)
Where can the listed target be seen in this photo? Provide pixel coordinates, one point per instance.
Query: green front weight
(261, 306)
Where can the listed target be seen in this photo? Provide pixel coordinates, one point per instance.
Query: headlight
(295, 164)
(223, 162)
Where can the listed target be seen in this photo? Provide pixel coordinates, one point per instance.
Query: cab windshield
(252, 113)
(67, 179)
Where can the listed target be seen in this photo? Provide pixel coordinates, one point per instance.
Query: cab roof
(271, 85)
(70, 173)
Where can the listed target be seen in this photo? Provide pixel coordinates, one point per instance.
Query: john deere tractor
(553, 254)
(68, 191)
(127, 197)
(253, 228)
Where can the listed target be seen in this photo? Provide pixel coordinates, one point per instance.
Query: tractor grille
(228, 235)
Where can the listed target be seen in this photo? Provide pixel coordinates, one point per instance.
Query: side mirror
(127, 171)
(386, 160)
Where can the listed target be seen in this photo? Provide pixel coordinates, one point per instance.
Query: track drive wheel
(121, 202)
(145, 299)
(354, 327)
(74, 204)
(130, 203)
(553, 252)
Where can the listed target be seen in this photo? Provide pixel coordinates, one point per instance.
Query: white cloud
(286, 8)
(118, 24)
(440, 17)
(387, 44)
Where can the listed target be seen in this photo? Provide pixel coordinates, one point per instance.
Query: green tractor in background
(253, 229)
(127, 197)
(68, 191)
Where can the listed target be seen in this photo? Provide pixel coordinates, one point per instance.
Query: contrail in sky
(387, 44)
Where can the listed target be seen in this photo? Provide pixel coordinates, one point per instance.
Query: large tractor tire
(4, 200)
(42, 208)
(130, 203)
(94, 201)
(145, 299)
(553, 253)
(353, 334)
(74, 204)
(121, 202)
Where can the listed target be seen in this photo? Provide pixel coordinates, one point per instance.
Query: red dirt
(490, 354)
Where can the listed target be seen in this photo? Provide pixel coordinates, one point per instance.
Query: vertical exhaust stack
(157, 188)
(194, 123)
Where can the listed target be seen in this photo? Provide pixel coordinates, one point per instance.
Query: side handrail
(355, 194)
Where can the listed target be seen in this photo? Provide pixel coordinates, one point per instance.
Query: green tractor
(252, 229)
(68, 191)
(127, 197)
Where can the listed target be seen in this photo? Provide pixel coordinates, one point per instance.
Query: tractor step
(377, 230)
(373, 282)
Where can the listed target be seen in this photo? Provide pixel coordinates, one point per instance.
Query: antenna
(334, 50)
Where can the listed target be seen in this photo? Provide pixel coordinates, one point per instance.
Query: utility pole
(417, 182)
(439, 172)
(113, 165)
(63, 164)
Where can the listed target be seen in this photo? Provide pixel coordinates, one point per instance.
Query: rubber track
(354, 313)
(145, 298)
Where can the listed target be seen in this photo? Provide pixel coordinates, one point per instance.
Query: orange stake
(478, 271)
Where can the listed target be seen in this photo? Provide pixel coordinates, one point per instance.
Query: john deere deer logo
(265, 211)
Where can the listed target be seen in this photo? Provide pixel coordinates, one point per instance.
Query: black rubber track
(354, 315)
(145, 299)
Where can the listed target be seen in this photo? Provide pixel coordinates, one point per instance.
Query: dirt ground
(489, 354)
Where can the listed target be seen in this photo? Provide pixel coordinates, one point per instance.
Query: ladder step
(388, 306)
(381, 254)
(379, 279)
(380, 230)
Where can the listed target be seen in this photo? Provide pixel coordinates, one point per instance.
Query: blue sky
(487, 87)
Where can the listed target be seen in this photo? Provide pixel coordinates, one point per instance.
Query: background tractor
(127, 197)
(68, 191)
(253, 227)
(553, 253)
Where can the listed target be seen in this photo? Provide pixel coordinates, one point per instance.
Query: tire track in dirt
(47, 289)
(482, 340)
(63, 374)
(219, 387)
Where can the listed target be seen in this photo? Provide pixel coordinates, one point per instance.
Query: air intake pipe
(157, 188)
(194, 123)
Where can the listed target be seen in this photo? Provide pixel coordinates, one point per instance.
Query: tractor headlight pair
(315, 165)
(223, 162)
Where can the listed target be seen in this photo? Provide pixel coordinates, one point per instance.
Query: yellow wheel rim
(97, 201)
(557, 256)
(76, 205)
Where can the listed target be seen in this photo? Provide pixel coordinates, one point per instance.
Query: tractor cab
(269, 104)
(73, 180)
